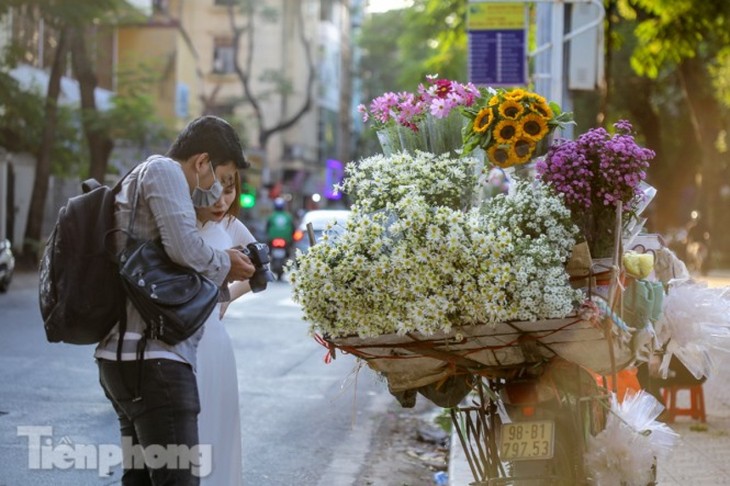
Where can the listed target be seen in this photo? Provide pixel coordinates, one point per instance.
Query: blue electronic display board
(497, 57)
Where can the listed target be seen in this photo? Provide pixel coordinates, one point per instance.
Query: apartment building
(292, 70)
(186, 47)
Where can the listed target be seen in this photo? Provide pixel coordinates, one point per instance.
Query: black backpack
(80, 290)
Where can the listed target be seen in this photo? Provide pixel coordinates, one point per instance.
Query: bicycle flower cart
(489, 304)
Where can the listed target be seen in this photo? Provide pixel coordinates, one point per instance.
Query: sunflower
(522, 150)
(534, 126)
(506, 130)
(484, 118)
(494, 100)
(511, 109)
(516, 94)
(499, 156)
(542, 107)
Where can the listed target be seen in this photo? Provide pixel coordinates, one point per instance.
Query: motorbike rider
(280, 224)
(697, 241)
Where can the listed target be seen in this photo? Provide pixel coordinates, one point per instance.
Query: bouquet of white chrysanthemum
(411, 259)
(413, 268)
(543, 237)
(376, 182)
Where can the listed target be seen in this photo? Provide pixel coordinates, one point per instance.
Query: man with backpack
(152, 384)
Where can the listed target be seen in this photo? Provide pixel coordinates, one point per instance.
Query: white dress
(219, 422)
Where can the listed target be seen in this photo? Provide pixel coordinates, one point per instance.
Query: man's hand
(241, 266)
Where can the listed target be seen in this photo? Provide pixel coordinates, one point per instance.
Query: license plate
(521, 441)
(278, 253)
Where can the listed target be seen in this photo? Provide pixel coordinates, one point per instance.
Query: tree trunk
(97, 138)
(706, 123)
(32, 242)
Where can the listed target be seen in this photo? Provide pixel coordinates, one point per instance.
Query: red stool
(696, 409)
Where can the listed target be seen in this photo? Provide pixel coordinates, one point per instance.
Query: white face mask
(203, 198)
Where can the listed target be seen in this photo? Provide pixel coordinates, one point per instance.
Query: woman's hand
(224, 307)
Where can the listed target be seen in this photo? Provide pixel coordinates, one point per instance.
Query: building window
(223, 56)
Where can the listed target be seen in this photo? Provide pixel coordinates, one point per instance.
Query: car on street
(7, 265)
(320, 219)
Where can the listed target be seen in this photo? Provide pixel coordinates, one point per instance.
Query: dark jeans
(166, 414)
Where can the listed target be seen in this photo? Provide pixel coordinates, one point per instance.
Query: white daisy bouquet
(417, 255)
(544, 235)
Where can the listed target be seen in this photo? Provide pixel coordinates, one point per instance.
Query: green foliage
(435, 41)
(133, 116)
(430, 39)
(21, 126)
(21, 116)
(381, 63)
(443, 420)
(720, 71)
(22, 120)
(400, 47)
(77, 13)
(69, 154)
(672, 30)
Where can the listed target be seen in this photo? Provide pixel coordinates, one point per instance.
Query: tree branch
(244, 77)
(285, 124)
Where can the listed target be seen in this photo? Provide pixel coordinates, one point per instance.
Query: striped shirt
(164, 210)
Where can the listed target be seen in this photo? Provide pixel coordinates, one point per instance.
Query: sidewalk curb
(459, 472)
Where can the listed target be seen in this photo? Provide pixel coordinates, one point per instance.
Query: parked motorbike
(691, 243)
(532, 427)
(279, 255)
(7, 265)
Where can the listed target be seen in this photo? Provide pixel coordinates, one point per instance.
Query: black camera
(258, 253)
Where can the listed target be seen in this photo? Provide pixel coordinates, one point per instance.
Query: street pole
(557, 28)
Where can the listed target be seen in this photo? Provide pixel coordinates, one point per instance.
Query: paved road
(304, 422)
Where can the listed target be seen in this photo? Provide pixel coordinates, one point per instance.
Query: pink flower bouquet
(427, 120)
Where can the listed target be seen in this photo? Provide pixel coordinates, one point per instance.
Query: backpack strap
(123, 321)
(89, 185)
(142, 344)
(133, 214)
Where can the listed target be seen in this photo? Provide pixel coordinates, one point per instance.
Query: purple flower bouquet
(594, 173)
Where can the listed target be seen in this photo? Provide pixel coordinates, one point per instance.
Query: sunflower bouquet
(510, 124)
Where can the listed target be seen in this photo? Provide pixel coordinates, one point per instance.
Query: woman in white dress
(219, 421)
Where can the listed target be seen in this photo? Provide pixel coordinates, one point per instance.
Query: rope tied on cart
(331, 349)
